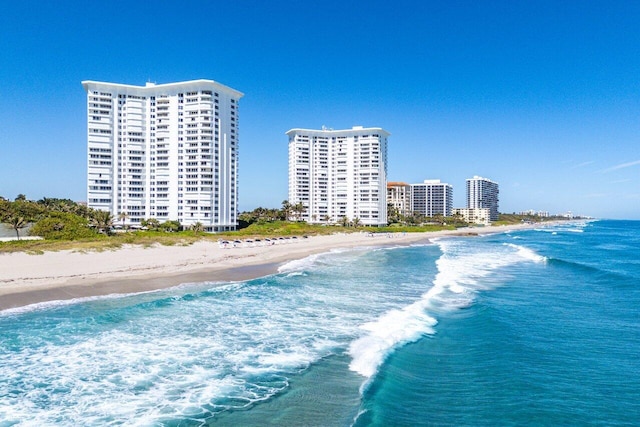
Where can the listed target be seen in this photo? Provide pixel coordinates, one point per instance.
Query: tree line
(287, 212)
(64, 219)
(394, 216)
(290, 211)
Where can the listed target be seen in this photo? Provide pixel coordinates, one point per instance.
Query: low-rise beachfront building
(339, 173)
(399, 197)
(432, 198)
(164, 151)
(479, 216)
(483, 193)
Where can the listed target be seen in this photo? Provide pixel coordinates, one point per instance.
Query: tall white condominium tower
(167, 151)
(483, 193)
(431, 198)
(339, 173)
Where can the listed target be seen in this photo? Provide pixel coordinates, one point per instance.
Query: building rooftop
(156, 88)
(396, 184)
(356, 130)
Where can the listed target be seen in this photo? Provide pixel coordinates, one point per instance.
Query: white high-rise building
(166, 151)
(483, 193)
(339, 173)
(431, 198)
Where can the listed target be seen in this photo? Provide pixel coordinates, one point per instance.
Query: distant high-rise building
(399, 196)
(339, 173)
(483, 193)
(432, 198)
(167, 151)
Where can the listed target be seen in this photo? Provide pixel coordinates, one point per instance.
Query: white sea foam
(393, 328)
(73, 301)
(168, 356)
(297, 265)
(571, 227)
(312, 261)
(61, 303)
(163, 357)
(527, 253)
(296, 273)
(463, 270)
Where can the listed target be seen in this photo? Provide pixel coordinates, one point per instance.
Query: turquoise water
(538, 327)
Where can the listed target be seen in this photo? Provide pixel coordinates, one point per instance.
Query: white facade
(483, 193)
(431, 198)
(474, 215)
(167, 151)
(339, 173)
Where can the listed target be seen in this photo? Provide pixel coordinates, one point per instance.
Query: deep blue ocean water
(537, 327)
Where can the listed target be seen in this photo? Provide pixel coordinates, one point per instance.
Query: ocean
(534, 327)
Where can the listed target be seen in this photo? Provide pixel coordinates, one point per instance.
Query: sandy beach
(27, 279)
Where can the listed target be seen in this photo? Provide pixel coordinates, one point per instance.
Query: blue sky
(540, 96)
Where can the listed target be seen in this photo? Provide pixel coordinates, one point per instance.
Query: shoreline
(30, 279)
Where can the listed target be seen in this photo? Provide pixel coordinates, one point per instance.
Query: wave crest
(393, 328)
(464, 268)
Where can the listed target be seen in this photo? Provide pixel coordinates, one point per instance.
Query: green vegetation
(66, 225)
(169, 226)
(416, 219)
(101, 242)
(283, 228)
(510, 219)
(63, 226)
(397, 228)
(102, 221)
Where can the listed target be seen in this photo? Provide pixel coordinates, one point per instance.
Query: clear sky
(541, 96)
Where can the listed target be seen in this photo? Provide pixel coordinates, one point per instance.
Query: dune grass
(185, 238)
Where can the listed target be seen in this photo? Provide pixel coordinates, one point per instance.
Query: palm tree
(82, 210)
(393, 213)
(458, 219)
(151, 223)
(416, 218)
(102, 220)
(122, 216)
(298, 209)
(17, 223)
(286, 209)
(344, 221)
(356, 221)
(197, 227)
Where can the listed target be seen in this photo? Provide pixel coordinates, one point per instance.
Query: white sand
(25, 279)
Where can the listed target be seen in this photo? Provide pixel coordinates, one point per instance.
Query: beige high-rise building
(399, 196)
